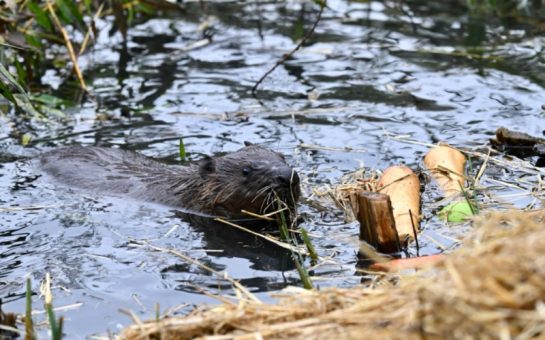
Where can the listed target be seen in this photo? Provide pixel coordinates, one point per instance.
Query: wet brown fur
(250, 178)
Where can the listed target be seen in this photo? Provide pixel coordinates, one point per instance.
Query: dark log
(509, 137)
(377, 224)
(518, 144)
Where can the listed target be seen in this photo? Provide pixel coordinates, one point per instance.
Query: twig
(89, 29)
(35, 207)
(268, 238)
(203, 266)
(482, 169)
(288, 55)
(11, 329)
(414, 233)
(264, 217)
(59, 309)
(135, 319)
(69, 46)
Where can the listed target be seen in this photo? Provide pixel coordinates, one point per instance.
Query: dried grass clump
(344, 194)
(493, 287)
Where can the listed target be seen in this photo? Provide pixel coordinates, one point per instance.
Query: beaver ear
(207, 165)
(246, 143)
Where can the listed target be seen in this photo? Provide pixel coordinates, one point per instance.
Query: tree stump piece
(377, 224)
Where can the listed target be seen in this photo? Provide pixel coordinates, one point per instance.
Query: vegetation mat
(492, 287)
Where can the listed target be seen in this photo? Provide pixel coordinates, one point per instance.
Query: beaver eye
(245, 171)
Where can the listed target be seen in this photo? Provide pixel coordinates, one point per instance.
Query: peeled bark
(403, 187)
(447, 166)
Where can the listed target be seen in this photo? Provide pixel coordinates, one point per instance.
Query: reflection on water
(429, 71)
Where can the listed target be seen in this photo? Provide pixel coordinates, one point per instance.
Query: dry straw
(493, 287)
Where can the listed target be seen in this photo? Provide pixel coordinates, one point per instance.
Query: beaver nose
(287, 177)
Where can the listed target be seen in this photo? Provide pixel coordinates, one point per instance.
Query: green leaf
(130, 15)
(69, 12)
(59, 328)
(457, 212)
(88, 4)
(49, 100)
(303, 273)
(52, 322)
(21, 72)
(282, 223)
(51, 111)
(8, 79)
(41, 16)
(25, 139)
(182, 151)
(145, 8)
(309, 245)
(321, 3)
(29, 325)
(33, 40)
(24, 103)
(5, 91)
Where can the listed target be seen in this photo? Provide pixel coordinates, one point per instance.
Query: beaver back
(250, 178)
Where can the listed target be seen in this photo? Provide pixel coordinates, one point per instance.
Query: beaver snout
(287, 184)
(287, 177)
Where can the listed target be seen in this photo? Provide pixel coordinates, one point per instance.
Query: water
(429, 72)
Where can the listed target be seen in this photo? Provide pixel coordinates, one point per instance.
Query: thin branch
(290, 54)
(69, 46)
(188, 259)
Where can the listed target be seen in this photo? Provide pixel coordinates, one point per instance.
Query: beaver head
(251, 179)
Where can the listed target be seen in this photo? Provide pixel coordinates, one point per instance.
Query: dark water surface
(428, 71)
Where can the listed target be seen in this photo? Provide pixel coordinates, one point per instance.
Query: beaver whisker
(269, 201)
(264, 204)
(217, 198)
(273, 199)
(261, 191)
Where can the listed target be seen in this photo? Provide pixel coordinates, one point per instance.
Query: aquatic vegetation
(31, 29)
(370, 69)
(503, 7)
(55, 325)
(449, 300)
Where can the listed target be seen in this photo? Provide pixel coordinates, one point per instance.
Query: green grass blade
(5, 91)
(52, 321)
(69, 12)
(282, 225)
(21, 73)
(49, 100)
(321, 3)
(8, 79)
(472, 203)
(60, 327)
(41, 16)
(34, 41)
(303, 273)
(29, 326)
(182, 150)
(309, 245)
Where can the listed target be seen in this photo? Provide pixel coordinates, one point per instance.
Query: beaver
(249, 179)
